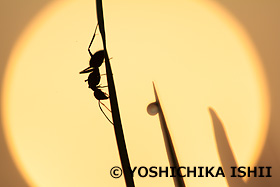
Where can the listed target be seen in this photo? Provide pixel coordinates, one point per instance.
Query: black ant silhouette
(94, 77)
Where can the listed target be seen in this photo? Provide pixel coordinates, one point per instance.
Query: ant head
(97, 59)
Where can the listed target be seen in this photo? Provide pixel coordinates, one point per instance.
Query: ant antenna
(99, 102)
(92, 40)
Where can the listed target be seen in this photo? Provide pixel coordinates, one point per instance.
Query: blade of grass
(114, 103)
(172, 157)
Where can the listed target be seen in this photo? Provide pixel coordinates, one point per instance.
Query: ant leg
(105, 106)
(99, 86)
(92, 40)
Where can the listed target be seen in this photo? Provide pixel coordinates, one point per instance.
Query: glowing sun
(196, 53)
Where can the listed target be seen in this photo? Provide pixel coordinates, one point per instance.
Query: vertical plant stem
(114, 104)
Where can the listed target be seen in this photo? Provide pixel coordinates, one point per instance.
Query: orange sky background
(20, 144)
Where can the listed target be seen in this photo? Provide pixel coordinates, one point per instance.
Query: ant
(94, 77)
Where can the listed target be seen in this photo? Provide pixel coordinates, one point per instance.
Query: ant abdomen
(99, 95)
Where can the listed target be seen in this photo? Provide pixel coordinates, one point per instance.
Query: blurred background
(259, 18)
